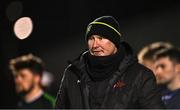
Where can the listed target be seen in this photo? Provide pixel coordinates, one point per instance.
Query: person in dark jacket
(168, 71)
(108, 74)
(147, 53)
(28, 70)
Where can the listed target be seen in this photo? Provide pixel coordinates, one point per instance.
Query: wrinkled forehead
(97, 36)
(24, 72)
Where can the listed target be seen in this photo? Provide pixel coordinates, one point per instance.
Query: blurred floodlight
(23, 27)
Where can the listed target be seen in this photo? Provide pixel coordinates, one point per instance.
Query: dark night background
(60, 25)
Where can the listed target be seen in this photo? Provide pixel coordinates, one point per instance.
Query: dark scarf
(102, 67)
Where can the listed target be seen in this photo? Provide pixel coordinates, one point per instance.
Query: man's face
(100, 46)
(25, 81)
(165, 70)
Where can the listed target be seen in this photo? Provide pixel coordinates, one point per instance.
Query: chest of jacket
(122, 93)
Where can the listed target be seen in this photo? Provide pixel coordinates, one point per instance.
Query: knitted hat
(107, 27)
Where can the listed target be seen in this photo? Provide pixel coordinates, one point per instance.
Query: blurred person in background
(147, 53)
(27, 71)
(167, 67)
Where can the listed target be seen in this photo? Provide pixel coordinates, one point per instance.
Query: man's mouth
(96, 51)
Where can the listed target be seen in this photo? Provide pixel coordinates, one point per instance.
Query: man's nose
(96, 42)
(158, 71)
(17, 79)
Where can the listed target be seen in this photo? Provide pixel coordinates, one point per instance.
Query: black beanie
(107, 27)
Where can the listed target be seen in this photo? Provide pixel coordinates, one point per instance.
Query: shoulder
(141, 70)
(48, 100)
(76, 66)
(140, 74)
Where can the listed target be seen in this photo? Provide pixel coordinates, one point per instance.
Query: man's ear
(37, 78)
(177, 68)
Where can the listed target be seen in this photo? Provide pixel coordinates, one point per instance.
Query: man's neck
(175, 84)
(33, 95)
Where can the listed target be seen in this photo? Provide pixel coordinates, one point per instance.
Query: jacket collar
(79, 63)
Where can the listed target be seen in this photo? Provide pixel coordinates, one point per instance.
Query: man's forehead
(97, 35)
(23, 71)
(163, 60)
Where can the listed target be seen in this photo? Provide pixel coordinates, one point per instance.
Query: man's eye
(15, 76)
(91, 38)
(100, 38)
(162, 66)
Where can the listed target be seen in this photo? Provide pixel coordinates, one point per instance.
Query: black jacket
(45, 101)
(131, 86)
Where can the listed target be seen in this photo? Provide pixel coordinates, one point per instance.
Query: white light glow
(23, 27)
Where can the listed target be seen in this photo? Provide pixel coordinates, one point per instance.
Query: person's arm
(148, 93)
(62, 97)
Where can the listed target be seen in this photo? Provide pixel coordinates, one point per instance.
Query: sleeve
(62, 97)
(149, 97)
